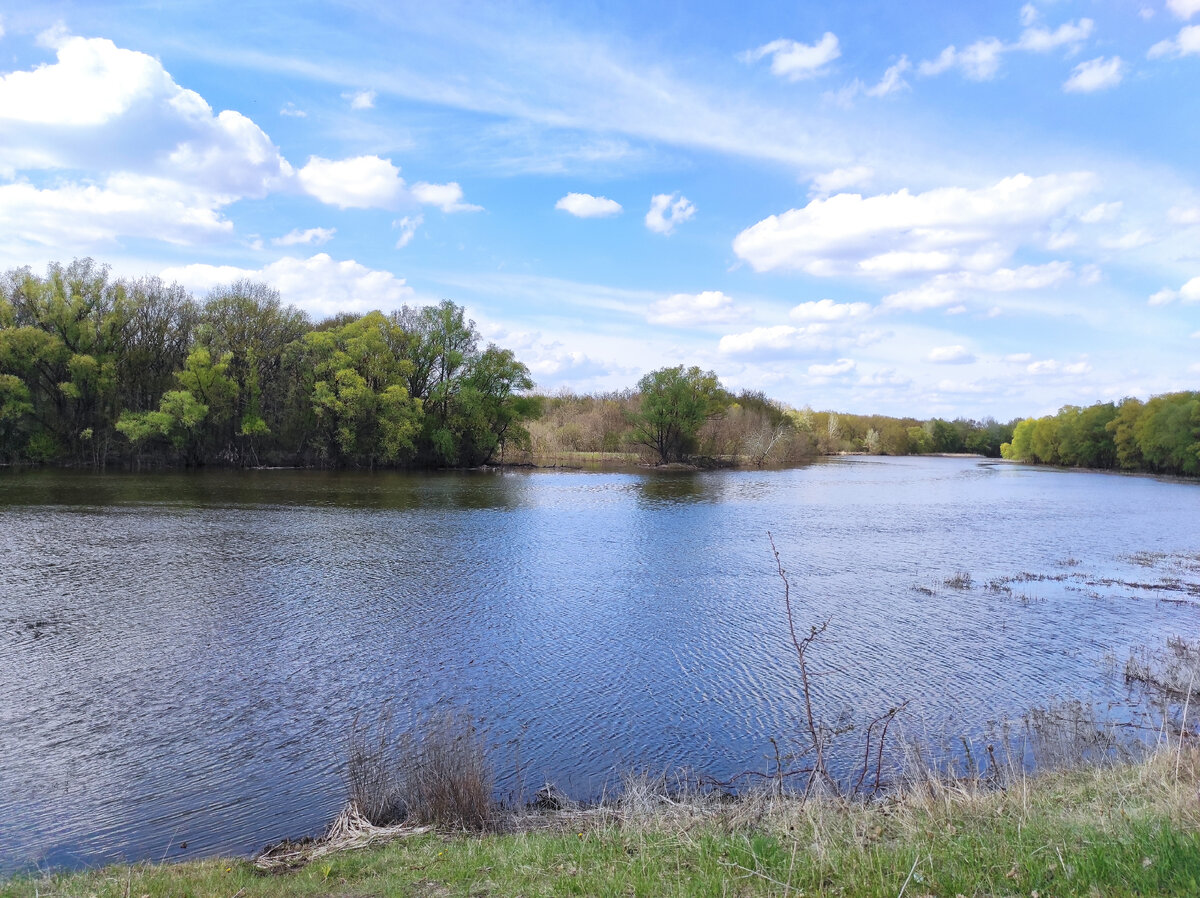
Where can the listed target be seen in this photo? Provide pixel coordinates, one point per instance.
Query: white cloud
(361, 182)
(584, 205)
(1042, 40)
(408, 229)
(834, 369)
(1188, 293)
(1186, 215)
(979, 62)
(361, 99)
(902, 232)
(369, 182)
(892, 80)
(794, 61)
(291, 110)
(1130, 240)
(319, 285)
(828, 310)
(1184, 9)
(946, 289)
(1018, 357)
(1186, 43)
(779, 341)
(1101, 212)
(447, 197)
(309, 237)
(687, 309)
(839, 179)
(101, 106)
(86, 215)
(668, 210)
(1095, 74)
(1053, 366)
(950, 355)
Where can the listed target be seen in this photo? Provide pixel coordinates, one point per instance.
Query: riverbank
(1115, 831)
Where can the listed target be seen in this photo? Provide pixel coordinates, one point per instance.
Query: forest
(137, 373)
(1160, 435)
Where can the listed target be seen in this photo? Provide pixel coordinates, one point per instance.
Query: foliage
(94, 371)
(675, 402)
(1161, 435)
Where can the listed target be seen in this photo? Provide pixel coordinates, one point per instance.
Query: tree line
(1160, 435)
(678, 414)
(97, 371)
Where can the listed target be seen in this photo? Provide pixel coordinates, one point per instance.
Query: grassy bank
(1111, 831)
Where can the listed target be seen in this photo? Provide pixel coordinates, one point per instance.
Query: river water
(182, 655)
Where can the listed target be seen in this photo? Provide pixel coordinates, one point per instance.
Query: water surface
(181, 655)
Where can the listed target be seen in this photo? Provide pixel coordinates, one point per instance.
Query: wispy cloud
(795, 61)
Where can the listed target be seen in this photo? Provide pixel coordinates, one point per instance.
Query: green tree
(675, 402)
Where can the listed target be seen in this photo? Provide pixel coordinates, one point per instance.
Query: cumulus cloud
(1095, 74)
(361, 99)
(370, 182)
(584, 205)
(950, 355)
(833, 369)
(97, 102)
(1189, 292)
(828, 310)
(840, 178)
(1186, 43)
(795, 61)
(319, 285)
(361, 182)
(309, 237)
(687, 309)
(779, 341)
(899, 233)
(1184, 9)
(447, 197)
(96, 214)
(667, 210)
(291, 110)
(408, 229)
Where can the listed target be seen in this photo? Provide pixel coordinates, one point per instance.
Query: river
(182, 655)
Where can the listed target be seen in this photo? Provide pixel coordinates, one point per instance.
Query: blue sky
(919, 208)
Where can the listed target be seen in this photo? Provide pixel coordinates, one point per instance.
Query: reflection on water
(181, 654)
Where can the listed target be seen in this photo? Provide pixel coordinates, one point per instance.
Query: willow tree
(675, 403)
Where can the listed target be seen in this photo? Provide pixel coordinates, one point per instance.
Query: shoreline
(1123, 829)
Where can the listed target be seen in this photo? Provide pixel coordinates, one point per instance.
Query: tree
(675, 403)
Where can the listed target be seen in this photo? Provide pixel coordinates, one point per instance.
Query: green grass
(1123, 831)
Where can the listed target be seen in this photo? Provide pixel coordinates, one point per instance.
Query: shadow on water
(380, 490)
(668, 488)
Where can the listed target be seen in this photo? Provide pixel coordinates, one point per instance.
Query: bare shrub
(437, 773)
(448, 778)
